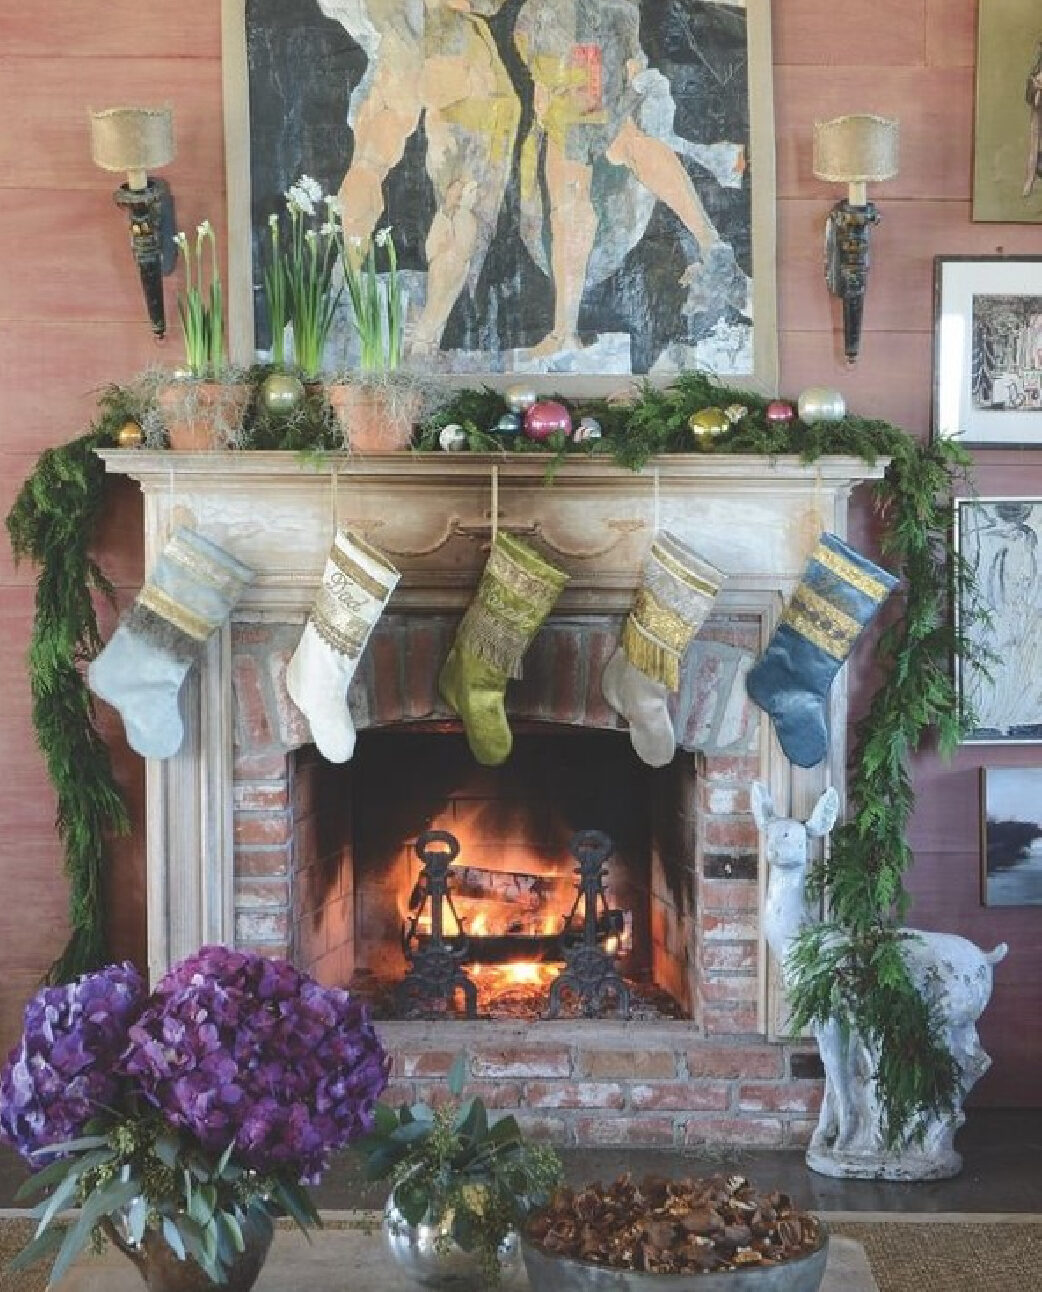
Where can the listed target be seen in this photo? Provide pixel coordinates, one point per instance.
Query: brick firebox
(711, 1079)
(232, 851)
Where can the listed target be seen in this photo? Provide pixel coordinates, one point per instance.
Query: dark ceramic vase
(158, 1265)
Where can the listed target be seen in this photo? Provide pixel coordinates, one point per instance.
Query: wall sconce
(137, 140)
(853, 150)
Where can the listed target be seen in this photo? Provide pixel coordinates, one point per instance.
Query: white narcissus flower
(273, 222)
(384, 236)
(299, 200)
(334, 206)
(329, 229)
(311, 235)
(311, 187)
(181, 238)
(204, 229)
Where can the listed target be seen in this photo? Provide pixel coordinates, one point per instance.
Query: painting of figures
(569, 182)
(1012, 843)
(1001, 541)
(1007, 180)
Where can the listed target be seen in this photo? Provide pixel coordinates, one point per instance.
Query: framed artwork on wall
(988, 350)
(1007, 158)
(578, 189)
(1011, 836)
(1001, 541)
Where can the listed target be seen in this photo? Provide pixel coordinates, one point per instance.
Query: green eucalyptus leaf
(413, 1200)
(101, 1203)
(167, 1149)
(467, 1228)
(231, 1224)
(137, 1219)
(458, 1075)
(173, 1238)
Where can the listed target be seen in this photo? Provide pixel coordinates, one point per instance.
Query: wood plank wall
(71, 319)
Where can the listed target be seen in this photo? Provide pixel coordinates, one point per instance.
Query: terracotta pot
(201, 415)
(372, 419)
(159, 1266)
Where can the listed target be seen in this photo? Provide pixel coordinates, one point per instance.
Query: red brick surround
(710, 1080)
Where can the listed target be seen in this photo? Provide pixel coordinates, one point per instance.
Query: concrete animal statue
(952, 973)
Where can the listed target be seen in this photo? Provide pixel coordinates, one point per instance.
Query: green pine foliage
(52, 524)
(852, 966)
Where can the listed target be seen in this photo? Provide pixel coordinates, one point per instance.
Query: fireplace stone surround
(231, 844)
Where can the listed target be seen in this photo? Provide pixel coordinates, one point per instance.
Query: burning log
(518, 948)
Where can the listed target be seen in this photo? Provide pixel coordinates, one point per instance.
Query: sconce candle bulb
(136, 140)
(853, 150)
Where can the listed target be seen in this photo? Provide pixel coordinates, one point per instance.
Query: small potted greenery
(182, 1122)
(203, 407)
(462, 1186)
(377, 406)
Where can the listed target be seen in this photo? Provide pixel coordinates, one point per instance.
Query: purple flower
(63, 1070)
(233, 1046)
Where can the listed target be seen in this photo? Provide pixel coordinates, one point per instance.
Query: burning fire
(531, 902)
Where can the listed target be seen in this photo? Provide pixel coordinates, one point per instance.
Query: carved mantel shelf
(756, 518)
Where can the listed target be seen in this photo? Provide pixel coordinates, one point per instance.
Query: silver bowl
(428, 1255)
(548, 1273)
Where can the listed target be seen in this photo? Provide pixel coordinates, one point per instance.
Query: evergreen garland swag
(852, 965)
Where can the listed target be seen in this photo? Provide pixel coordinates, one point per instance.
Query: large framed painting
(1000, 539)
(1007, 162)
(1011, 836)
(578, 188)
(988, 350)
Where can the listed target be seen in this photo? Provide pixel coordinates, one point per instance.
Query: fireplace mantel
(754, 517)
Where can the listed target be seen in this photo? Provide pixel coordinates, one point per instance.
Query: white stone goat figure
(953, 974)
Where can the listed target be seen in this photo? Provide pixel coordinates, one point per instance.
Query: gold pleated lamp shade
(135, 140)
(856, 149)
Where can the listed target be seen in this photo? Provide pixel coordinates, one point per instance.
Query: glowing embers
(454, 942)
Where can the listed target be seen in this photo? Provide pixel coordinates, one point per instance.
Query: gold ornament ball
(282, 393)
(130, 436)
(821, 404)
(707, 424)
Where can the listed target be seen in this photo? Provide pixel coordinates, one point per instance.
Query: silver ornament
(452, 438)
(509, 424)
(588, 429)
(519, 398)
(821, 404)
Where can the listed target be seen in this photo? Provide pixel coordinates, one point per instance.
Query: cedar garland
(852, 965)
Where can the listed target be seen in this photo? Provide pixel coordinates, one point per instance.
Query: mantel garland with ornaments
(853, 963)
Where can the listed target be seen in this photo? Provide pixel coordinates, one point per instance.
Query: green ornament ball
(282, 393)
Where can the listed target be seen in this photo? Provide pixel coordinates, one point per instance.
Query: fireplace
(254, 839)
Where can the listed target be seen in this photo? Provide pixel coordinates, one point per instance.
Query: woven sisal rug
(975, 1254)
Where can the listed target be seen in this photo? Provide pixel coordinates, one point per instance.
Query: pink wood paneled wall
(71, 319)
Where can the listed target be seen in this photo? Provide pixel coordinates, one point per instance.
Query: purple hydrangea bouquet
(182, 1122)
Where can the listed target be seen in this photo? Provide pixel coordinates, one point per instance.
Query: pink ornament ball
(545, 418)
(779, 412)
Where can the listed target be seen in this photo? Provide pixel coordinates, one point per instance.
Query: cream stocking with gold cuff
(357, 583)
(676, 593)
